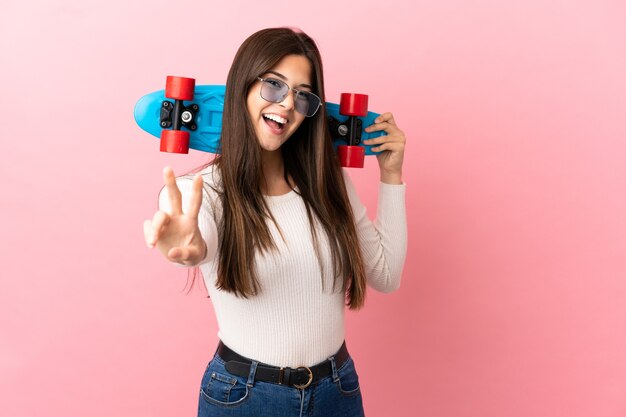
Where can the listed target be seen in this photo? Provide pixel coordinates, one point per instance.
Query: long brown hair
(309, 158)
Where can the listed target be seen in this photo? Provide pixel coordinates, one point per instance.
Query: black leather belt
(300, 377)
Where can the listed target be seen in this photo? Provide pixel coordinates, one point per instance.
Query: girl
(282, 239)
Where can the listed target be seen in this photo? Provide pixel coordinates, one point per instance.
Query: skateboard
(187, 116)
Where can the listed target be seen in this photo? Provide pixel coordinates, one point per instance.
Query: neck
(273, 170)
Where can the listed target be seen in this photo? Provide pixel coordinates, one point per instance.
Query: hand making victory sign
(177, 235)
(390, 161)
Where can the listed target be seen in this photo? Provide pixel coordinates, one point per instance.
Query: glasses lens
(307, 103)
(274, 90)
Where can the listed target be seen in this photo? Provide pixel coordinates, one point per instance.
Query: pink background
(513, 300)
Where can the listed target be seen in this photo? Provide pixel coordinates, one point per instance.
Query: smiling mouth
(275, 126)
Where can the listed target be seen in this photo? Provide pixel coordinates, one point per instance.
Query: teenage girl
(281, 237)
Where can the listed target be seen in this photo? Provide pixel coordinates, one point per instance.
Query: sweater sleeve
(384, 241)
(206, 223)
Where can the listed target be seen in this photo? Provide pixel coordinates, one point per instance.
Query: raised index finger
(172, 191)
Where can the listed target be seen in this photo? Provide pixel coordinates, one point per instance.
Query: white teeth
(275, 118)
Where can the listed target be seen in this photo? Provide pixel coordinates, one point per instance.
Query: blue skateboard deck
(208, 120)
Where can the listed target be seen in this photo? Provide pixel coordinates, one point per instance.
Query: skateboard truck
(350, 130)
(177, 114)
(187, 117)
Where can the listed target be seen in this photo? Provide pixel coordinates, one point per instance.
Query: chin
(271, 146)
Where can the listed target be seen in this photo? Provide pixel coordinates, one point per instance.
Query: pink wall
(513, 297)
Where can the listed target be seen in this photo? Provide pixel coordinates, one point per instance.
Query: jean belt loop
(252, 374)
(334, 366)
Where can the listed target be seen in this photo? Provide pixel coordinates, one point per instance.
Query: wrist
(394, 178)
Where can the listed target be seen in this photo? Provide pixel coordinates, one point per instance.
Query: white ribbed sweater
(292, 321)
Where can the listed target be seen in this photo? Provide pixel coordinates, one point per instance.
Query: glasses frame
(287, 92)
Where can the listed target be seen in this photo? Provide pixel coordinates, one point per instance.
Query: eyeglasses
(275, 91)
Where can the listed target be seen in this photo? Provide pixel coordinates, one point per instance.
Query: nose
(288, 102)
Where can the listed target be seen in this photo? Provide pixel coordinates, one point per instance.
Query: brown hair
(308, 157)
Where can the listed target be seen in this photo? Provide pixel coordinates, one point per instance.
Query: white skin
(177, 235)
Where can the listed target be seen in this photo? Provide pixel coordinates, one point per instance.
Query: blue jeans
(226, 394)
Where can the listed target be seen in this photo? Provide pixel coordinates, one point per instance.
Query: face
(295, 70)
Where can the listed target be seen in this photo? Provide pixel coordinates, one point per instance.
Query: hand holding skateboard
(176, 234)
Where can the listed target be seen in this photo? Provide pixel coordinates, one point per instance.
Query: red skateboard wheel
(175, 141)
(179, 88)
(353, 104)
(351, 156)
